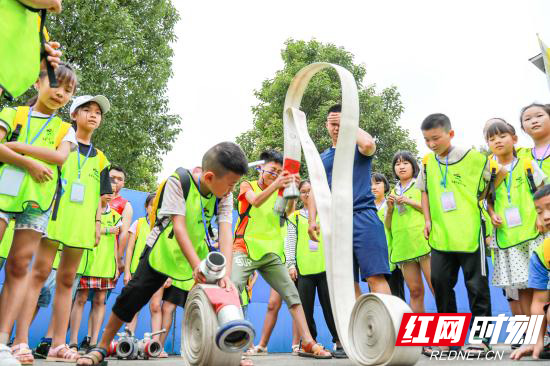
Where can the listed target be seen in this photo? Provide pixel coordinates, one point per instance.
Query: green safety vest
(7, 239)
(31, 192)
(166, 256)
(525, 152)
(308, 261)
(102, 259)
(259, 228)
(142, 231)
(184, 285)
(81, 266)
(408, 240)
(521, 197)
(458, 230)
(19, 47)
(382, 216)
(67, 214)
(543, 253)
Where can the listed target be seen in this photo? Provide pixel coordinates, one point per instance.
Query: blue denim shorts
(45, 297)
(33, 218)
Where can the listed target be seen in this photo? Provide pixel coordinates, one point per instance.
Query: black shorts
(137, 293)
(175, 295)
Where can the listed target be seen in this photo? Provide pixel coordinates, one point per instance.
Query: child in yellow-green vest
(22, 36)
(535, 121)
(259, 245)
(513, 213)
(306, 265)
(452, 182)
(380, 187)
(176, 244)
(76, 206)
(539, 280)
(405, 220)
(100, 274)
(35, 144)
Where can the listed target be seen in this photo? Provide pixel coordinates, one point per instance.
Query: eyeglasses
(268, 172)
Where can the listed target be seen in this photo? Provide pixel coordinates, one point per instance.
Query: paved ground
(286, 359)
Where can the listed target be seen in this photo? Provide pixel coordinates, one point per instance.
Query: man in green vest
(539, 279)
(452, 181)
(185, 204)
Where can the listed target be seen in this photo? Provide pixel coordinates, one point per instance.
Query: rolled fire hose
(367, 328)
(214, 331)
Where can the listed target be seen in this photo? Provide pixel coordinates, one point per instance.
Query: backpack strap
(63, 129)
(528, 168)
(185, 181)
(546, 250)
(493, 167)
(21, 115)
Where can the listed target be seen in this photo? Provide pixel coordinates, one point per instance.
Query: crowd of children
(62, 215)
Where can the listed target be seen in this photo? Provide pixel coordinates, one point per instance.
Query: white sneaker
(6, 358)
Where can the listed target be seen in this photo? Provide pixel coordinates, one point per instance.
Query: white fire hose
(367, 328)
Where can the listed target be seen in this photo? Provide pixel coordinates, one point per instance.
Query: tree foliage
(379, 111)
(122, 49)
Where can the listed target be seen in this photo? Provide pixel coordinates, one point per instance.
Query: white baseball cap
(83, 99)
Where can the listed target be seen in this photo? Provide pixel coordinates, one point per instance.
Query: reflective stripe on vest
(30, 191)
(308, 262)
(19, 47)
(77, 214)
(142, 231)
(166, 256)
(520, 195)
(260, 225)
(407, 230)
(458, 230)
(102, 259)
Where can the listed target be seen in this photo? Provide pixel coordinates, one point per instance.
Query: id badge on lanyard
(77, 192)
(11, 181)
(313, 245)
(511, 214)
(448, 202)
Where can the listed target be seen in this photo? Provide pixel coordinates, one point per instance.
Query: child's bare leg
(413, 279)
(40, 271)
(156, 314)
(378, 284)
(76, 313)
(273, 307)
(425, 264)
(66, 272)
(98, 313)
(168, 310)
(23, 248)
(525, 299)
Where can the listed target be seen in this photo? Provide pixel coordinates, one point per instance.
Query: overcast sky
(467, 60)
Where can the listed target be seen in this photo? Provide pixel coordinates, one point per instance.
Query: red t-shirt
(118, 204)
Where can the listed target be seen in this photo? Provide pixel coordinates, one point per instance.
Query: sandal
(480, 351)
(295, 349)
(314, 350)
(96, 360)
(62, 353)
(23, 354)
(74, 347)
(246, 362)
(257, 351)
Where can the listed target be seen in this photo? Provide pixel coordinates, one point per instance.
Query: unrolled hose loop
(336, 216)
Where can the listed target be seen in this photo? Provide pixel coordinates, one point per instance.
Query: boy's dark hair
(545, 107)
(225, 157)
(436, 120)
(498, 127)
(118, 168)
(272, 156)
(379, 177)
(405, 156)
(542, 192)
(337, 108)
(302, 183)
(150, 197)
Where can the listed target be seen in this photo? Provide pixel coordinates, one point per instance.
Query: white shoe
(6, 358)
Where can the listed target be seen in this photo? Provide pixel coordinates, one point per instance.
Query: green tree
(379, 112)
(122, 49)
